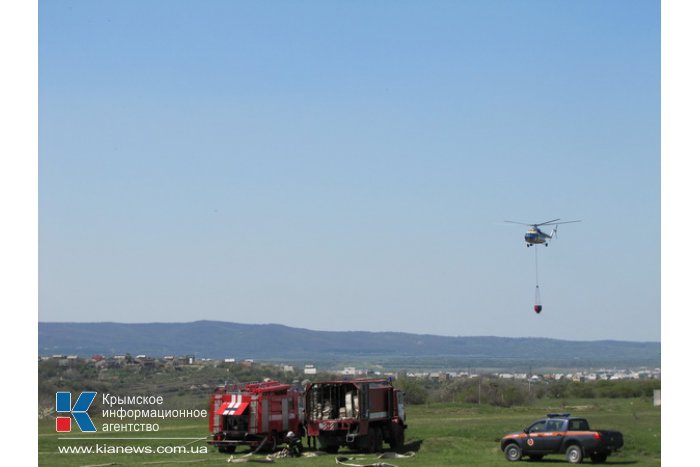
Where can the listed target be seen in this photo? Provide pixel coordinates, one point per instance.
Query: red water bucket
(538, 308)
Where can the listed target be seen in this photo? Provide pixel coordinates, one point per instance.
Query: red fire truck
(361, 414)
(255, 414)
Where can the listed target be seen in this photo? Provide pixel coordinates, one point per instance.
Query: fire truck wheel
(397, 437)
(331, 449)
(371, 441)
(377, 441)
(325, 445)
(364, 443)
(271, 442)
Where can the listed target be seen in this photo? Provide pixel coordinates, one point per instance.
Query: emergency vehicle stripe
(551, 433)
(233, 405)
(237, 401)
(375, 415)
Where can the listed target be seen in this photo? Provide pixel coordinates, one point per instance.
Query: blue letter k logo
(79, 410)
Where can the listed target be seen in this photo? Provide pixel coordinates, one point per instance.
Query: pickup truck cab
(561, 434)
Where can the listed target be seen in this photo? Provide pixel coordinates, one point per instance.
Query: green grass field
(440, 434)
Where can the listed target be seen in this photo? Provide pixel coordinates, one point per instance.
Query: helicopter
(535, 236)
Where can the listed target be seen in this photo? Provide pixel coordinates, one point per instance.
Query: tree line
(195, 383)
(508, 393)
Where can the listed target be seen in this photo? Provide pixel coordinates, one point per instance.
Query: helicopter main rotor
(553, 221)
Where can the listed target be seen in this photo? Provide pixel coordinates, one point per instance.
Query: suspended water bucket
(538, 301)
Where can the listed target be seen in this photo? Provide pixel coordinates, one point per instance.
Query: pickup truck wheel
(574, 454)
(513, 452)
(598, 458)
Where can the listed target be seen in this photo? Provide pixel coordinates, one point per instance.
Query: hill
(274, 342)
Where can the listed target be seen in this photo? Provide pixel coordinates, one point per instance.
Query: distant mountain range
(277, 343)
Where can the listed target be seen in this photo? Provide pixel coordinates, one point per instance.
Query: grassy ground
(439, 434)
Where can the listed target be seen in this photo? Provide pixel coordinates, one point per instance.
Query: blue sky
(349, 165)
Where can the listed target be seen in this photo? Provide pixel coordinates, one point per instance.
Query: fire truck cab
(254, 414)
